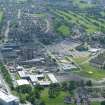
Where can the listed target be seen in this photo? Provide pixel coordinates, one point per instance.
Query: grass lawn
(90, 24)
(96, 103)
(64, 30)
(58, 100)
(54, 101)
(91, 72)
(77, 19)
(17, 77)
(102, 13)
(80, 60)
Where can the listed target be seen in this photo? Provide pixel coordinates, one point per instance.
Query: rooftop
(22, 74)
(52, 78)
(33, 78)
(22, 82)
(44, 83)
(6, 97)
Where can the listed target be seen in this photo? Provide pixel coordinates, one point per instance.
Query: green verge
(54, 101)
(96, 103)
(91, 72)
(6, 75)
(1, 16)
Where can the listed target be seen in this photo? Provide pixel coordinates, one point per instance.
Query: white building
(94, 50)
(22, 74)
(33, 79)
(6, 99)
(67, 67)
(44, 83)
(22, 82)
(52, 78)
(19, 68)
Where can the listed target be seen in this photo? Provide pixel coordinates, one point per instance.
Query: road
(19, 16)
(7, 31)
(47, 25)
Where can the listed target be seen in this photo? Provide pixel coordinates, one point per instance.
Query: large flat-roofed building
(33, 79)
(23, 75)
(22, 82)
(52, 78)
(6, 99)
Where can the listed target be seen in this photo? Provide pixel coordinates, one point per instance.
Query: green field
(83, 5)
(54, 101)
(91, 72)
(80, 60)
(58, 100)
(89, 23)
(96, 103)
(64, 30)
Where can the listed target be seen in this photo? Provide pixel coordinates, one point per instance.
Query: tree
(103, 103)
(42, 103)
(34, 96)
(72, 85)
(65, 86)
(54, 90)
(89, 83)
(6, 75)
(51, 93)
(82, 84)
(38, 87)
(31, 98)
(22, 98)
(24, 89)
(103, 93)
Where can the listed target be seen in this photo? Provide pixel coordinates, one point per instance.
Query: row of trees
(30, 94)
(6, 75)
